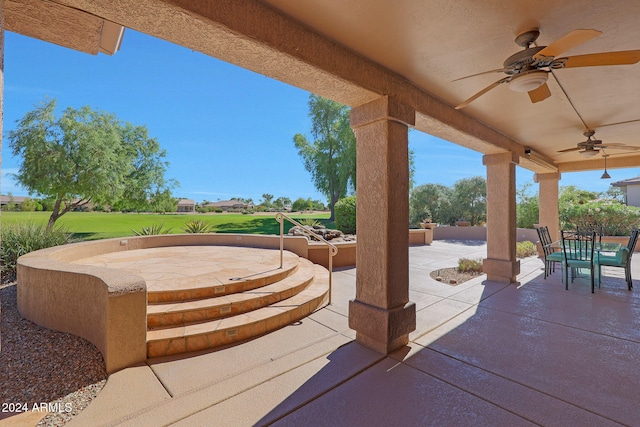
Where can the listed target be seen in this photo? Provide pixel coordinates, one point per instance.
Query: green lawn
(102, 225)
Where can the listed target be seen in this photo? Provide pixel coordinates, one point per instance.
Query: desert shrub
(197, 226)
(525, 249)
(467, 265)
(152, 230)
(615, 218)
(28, 205)
(345, 213)
(310, 222)
(24, 237)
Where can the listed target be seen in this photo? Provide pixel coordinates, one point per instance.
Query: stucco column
(381, 313)
(548, 202)
(501, 264)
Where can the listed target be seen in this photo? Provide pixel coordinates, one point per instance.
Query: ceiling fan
(528, 69)
(591, 146)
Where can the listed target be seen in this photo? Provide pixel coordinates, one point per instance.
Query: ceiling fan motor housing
(521, 61)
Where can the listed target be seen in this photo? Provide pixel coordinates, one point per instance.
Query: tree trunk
(54, 215)
(332, 207)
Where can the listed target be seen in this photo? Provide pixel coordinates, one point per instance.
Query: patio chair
(578, 251)
(598, 229)
(622, 258)
(551, 256)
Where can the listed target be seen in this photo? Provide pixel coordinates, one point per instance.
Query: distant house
(186, 205)
(225, 205)
(5, 200)
(631, 190)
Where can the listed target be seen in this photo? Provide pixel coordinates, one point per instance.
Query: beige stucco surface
(106, 306)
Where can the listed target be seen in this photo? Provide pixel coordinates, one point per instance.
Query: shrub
(152, 230)
(345, 212)
(197, 226)
(525, 249)
(310, 222)
(615, 218)
(28, 205)
(467, 265)
(21, 238)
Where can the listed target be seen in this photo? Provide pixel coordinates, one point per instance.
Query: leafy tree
(527, 208)
(266, 199)
(431, 201)
(282, 202)
(28, 205)
(470, 199)
(300, 204)
(47, 203)
(331, 157)
(316, 205)
(615, 193)
(86, 156)
(164, 202)
(572, 195)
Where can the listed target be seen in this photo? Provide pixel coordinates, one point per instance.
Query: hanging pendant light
(605, 175)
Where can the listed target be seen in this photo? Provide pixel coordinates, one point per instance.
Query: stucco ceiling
(432, 43)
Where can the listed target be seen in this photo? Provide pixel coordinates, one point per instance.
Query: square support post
(501, 264)
(548, 202)
(381, 313)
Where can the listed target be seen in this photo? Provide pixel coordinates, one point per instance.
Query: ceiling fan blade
(571, 149)
(622, 147)
(566, 42)
(498, 70)
(539, 94)
(482, 92)
(625, 57)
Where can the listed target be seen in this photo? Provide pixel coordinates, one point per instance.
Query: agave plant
(197, 226)
(310, 222)
(152, 230)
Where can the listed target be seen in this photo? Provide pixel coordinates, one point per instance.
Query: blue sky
(228, 132)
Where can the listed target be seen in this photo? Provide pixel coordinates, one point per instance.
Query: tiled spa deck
(483, 354)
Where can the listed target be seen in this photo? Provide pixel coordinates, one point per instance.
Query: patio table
(598, 248)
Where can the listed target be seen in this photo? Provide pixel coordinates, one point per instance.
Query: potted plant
(426, 223)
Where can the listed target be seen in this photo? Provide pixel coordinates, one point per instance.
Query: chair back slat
(545, 239)
(632, 242)
(597, 230)
(578, 246)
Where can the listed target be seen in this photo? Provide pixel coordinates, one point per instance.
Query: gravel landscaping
(39, 365)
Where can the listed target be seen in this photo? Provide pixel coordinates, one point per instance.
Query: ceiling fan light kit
(528, 82)
(588, 153)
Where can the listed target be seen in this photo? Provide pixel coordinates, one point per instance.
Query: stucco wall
(108, 307)
(478, 233)
(633, 195)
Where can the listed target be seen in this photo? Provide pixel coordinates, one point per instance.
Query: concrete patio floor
(483, 354)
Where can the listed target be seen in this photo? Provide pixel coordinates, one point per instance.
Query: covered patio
(483, 353)
(399, 66)
(513, 349)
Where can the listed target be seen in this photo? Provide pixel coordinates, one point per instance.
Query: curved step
(172, 314)
(214, 285)
(215, 333)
